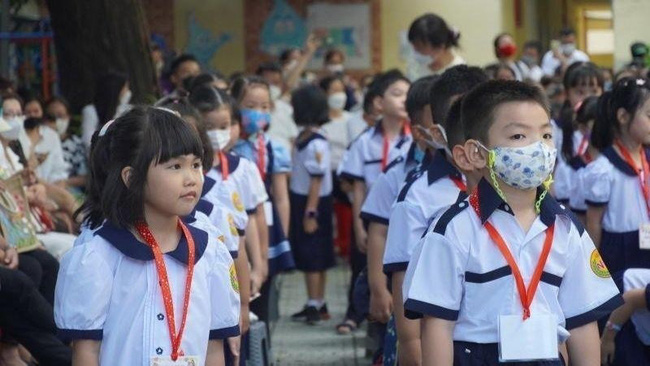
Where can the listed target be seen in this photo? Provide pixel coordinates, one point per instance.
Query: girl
(582, 80)
(615, 185)
(311, 234)
(166, 288)
(434, 43)
(337, 128)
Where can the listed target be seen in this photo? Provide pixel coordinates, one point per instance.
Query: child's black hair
(329, 55)
(240, 86)
(58, 99)
(178, 61)
(455, 131)
(385, 80)
(207, 98)
(265, 67)
(478, 106)
(586, 112)
(369, 100)
(138, 139)
(457, 80)
(578, 74)
(205, 78)
(629, 94)
(418, 97)
(286, 53)
(107, 95)
(310, 106)
(327, 82)
(185, 109)
(433, 30)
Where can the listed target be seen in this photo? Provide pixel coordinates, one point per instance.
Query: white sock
(321, 303)
(313, 302)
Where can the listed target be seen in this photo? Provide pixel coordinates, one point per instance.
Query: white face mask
(335, 68)
(62, 125)
(337, 101)
(422, 59)
(276, 92)
(568, 48)
(16, 124)
(431, 140)
(219, 138)
(126, 97)
(525, 167)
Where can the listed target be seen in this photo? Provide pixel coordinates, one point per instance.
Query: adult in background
(562, 55)
(435, 43)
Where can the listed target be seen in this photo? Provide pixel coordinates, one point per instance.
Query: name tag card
(534, 339)
(181, 361)
(268, 212)
(644, 236)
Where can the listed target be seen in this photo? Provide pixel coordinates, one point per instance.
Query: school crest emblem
(231, 225)
(236, 201)
(598, 265)
(233, 278)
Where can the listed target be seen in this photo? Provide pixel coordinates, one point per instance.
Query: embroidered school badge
(233, 278)
(236, 201)
(222, 238)
(598, 266)
(231, 224)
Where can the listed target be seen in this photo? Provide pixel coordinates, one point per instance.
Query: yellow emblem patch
(598, 266)
(222, 238)
(233, 278)
(236, 201)
(233, 227)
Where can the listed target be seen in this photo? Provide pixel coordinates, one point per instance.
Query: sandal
(346, 327)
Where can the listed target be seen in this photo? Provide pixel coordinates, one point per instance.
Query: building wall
(630, 25)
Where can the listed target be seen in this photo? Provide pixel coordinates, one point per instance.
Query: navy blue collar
(208, 183)
(124, 241)
(379, 128)
(440, 167)
(619, 163)
(204, 206)
(314, 136)
(233, 162)
(490, 201)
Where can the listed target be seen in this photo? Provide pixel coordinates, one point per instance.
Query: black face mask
(32, 123)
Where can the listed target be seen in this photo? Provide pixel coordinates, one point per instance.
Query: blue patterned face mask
(254, 121)
(525, 167)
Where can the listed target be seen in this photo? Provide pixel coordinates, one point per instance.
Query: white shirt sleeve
(224, 291)
(255, 184)
(549, 64)
(351, 166)
(318, 158)
(376, 208)
(54, 168)
(598, 183)
(406, 227)
(89, 123)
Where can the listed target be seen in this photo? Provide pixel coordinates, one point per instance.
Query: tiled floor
(301, 344)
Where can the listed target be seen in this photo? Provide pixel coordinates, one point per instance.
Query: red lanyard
(146, 234)
(525, 295)
(225, 169)
(261, 155)
(386, 145)
(641, 172)
(459, 183)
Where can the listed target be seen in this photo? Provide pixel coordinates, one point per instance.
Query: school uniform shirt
(633, 279)
(356, 125)
(610, 181)
(425, 194)
(283, 128)
(53, 167)
(457, 273)
(336, 132)
(376, 208)
(107, 290)
(362, 161)
(208, 216)
(311, 158)
(276, 157)
(226, 194)
(550, 63)
(565, 171)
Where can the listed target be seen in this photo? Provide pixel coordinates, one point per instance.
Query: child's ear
(476, 156)
(622, 116)
(377, 104)
(126, 175)
(461, 159)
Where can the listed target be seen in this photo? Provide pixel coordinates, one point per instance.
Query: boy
(426, 194)
(478, 306)
(369, 155)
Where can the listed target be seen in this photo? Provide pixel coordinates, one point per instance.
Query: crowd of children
(492, 222)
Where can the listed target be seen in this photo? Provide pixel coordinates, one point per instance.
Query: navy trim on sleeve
(647, 296)
(317, 175)
(395, 267)
(349, 176)
(68, 335)
(225, 332)
(251, 211)
(373, 218)
(596, 204)
(594, 314)
(234, 254)
(414, 309)
(241, 232)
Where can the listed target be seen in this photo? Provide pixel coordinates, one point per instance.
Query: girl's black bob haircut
(310, 106)
(143, 137)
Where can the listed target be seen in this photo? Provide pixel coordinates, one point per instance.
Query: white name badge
(644, 236)
(268, 212)
(180, 361)
(534, 339)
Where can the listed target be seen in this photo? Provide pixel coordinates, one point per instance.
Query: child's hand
(10, 259)
(607, 348)
(381, 305)
(310, 225)
(362, 240)
(257, 279)
(244, 319)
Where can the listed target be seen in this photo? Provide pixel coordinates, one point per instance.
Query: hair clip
(108, 124)
(168, 110)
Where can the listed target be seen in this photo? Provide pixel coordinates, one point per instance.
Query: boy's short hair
(387, 79)
(455, 130)
(478, 106)
(178, 61)
(418, 97)
(455, 81)
(310, 106)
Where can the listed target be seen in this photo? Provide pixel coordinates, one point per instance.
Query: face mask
(275, 91)
(219, 138)
(568, 48)
(525, 167)
(62, 125)
(337, 101)
(529, 60)
(425, 60)
(16, 124)
(335, 68)
(254, 121)
(126, 97)
(507, 50)
(431, 140)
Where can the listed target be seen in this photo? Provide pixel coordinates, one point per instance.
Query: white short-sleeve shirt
(225, 194)
(457, 273)
(362, 160)
(565, 171)
(424, 196)
(311, 158)
(610, 181)
(53, 167)
(108, 290)
(246, 180)
(633, 279)
(208, 216)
